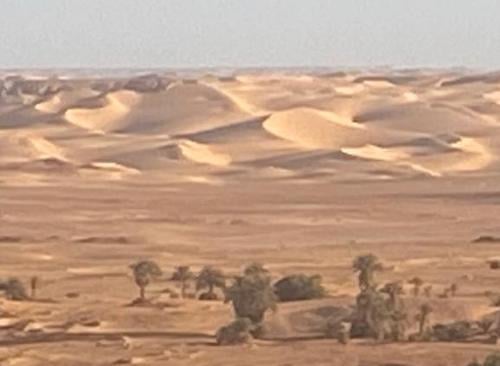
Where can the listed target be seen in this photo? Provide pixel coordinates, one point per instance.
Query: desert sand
(299, 170)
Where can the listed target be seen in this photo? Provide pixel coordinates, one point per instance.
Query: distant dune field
(406, 125)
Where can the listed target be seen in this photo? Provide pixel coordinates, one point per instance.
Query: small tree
(34, 283)
(210, 278)
(144, 272)
(423, 317)
(183, 275)
(299, 287)
(417, 283)
(252, 295)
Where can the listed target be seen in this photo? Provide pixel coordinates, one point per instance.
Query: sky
(249, 33)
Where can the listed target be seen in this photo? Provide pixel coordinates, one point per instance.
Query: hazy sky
(194, 33)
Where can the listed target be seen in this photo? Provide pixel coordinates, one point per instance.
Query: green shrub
(299, 287)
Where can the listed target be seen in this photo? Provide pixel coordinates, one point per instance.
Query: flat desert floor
(300, 171)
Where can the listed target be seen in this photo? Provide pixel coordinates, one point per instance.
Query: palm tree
(183, 275)
(252, 295)
(144, 272)
(417, 283)
(366, 266)
(423, 317)
(210, 278)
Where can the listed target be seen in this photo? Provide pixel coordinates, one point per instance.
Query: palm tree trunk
(142, 294)
(211, 289)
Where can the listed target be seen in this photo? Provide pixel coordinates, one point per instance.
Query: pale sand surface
(301, 172)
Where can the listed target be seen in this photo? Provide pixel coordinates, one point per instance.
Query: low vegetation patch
(14, 290)
(237, 332)
(299, 287)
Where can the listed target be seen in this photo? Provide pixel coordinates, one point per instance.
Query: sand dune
(305, 125)
(315, 129)
(108, 118)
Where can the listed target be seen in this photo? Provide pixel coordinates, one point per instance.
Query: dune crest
(315, 129)
(117, 106)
